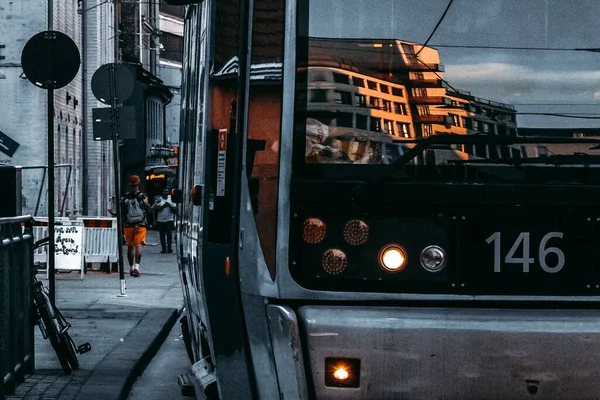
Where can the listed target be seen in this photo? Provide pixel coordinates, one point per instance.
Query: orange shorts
(135, 235)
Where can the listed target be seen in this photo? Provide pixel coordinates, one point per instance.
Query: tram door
(221, 166)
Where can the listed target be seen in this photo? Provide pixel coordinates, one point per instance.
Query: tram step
(186, 384)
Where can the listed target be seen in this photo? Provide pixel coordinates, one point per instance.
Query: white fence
(99, 239)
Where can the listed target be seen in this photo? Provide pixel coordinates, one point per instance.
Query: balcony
(433, 119)
(426, 99)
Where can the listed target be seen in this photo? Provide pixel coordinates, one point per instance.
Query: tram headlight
(433, 258)
(314, 230)
(393, 257)
(334, 261)
(342, 372)
(356, 232)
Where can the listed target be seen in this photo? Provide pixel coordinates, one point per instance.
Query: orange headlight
(314, 230)
(334, 261)
(356, 232)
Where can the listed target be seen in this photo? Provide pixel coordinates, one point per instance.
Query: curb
(114, 377)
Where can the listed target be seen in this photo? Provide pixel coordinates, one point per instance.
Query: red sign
(222, 140)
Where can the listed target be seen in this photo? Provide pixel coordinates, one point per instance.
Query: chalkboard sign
(68, 247)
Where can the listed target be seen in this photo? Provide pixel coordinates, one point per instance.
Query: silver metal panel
(287, 137)
(457, 353)
(254, 276)
(259, 341)
(287, 347)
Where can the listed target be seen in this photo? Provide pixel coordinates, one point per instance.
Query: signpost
(50, 60)
(113, 84)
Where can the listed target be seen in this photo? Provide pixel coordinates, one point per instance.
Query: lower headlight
(393, 258)
(433, 258)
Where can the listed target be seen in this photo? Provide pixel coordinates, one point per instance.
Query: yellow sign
(155, 176)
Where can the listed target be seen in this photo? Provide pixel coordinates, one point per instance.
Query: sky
(528, 79)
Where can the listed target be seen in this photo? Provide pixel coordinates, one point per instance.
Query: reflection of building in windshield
(559, 149)
(472, 116)
(371, 91)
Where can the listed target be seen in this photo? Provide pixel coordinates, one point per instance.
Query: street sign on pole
(102, 118)
(113, 84)
(50, 60)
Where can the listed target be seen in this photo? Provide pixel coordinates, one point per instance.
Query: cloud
(508, 73)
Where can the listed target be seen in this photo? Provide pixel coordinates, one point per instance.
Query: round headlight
(314, 230)
(334, 261)
(356, 232)
(393, 258)
(433, 258)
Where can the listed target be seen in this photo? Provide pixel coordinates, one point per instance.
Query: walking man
(165, 220)
(135, 207)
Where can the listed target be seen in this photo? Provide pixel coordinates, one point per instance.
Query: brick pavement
(124, 332)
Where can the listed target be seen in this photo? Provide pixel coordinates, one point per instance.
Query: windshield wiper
(556, 159)
(424, 144)
(448, 139)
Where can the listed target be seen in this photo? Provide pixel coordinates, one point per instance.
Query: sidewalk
(124, 332)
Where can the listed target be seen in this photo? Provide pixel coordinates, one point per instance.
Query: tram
(370, 214)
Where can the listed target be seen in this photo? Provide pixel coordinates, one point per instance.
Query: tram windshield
(505, 82)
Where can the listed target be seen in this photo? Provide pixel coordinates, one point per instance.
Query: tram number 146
(523, 241)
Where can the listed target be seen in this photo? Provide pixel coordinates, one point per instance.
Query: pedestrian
(165, 220)
(135, 210)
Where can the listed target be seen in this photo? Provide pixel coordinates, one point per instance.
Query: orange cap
(134, 180)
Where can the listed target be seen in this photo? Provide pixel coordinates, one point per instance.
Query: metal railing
(17, 357)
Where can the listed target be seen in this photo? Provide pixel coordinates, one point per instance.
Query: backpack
(134, 215)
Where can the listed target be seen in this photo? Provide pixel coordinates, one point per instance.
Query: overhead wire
(436, 27)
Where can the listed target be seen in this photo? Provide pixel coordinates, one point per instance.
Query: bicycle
(53, 324)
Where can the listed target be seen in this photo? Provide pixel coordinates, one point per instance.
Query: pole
(114, 126)
(51, 244)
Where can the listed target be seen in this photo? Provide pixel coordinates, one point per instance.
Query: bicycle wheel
(68, 347)
(52, 331)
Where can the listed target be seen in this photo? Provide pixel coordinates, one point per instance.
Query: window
(475, 125)
(361, 121)
(403, 129)
(464, 122)
(375, 101)
(318, 96)
(397, 92)
(455, 120)
(173, 47)
(342, 97)
(375, 125)
(372, 85)
(427, 130)
(361, 100)
(423, 109)
(387, 105)
(420, 92)
(358, 81)
(389, 127)
(418, 76)
(344, 119)
(340, 78)
(409, 51)
(384, 88)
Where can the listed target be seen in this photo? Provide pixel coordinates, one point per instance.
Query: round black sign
(50, 59)
(122, 87)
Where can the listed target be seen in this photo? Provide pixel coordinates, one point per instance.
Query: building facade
(23, 111)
